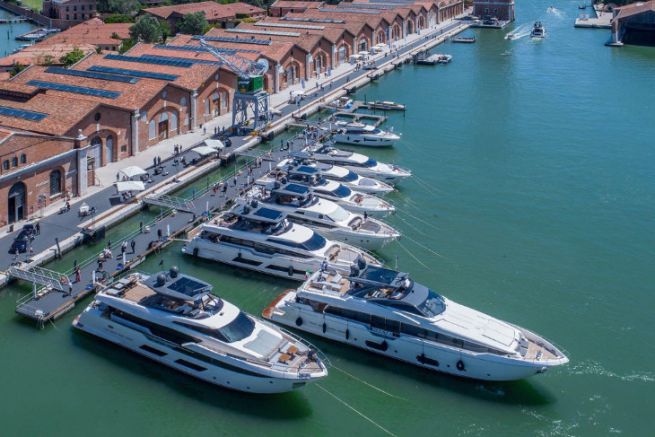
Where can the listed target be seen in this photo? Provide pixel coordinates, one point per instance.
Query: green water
(533, 200)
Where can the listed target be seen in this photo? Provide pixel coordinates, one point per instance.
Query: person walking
(108, 244)
(123, 248)
(159, 234)
(37, 228)
(141, 227)
(133, 245)
(78, 275)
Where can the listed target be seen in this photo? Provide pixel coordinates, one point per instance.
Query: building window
(173, 126)
(152, 130)
(124, 148)
(14, 162)
(23, 158)
(74, 16)
(5, 164)
(183, 101)
(82, 7)
(206, 106)
(68, 17)
(74, 8)
(55, 182)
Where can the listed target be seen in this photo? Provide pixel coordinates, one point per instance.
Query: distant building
(634, 24)
(282, 7)
(69, 12)
(500, 9)
(222, 15)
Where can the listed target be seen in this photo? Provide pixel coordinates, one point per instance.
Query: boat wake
(556, 12)
(595, 368)
(520, 32)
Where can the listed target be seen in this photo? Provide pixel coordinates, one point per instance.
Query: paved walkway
(61, 226)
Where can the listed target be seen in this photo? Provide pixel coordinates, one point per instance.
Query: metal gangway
(165, 201)
(39, 276)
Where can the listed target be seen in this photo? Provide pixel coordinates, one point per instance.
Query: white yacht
(339, 174)
(264, 240)
(386, 105)
(322, 215)
(361, 164)
(175, 320)
(336, 192)
(538, 31)
(359, 134)
(386, 312)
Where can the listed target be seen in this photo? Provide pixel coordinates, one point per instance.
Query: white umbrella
(124, 186)
(204, 150)
(132, 171)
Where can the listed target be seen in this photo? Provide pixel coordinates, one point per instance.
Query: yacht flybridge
(335, 191)
(361, 164)
(339, 174)
(175, 320)
(386, 312)
(538, 31)
(262, 239)
(323, 216)
(359, 134)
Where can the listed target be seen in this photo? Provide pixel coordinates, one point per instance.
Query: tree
(16, 68)
(147, 29)
(193, 24)
(72, 57)
(119, 18)
(126, 45)
(126, 7)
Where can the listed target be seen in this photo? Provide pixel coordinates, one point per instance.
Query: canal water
(533, 200)
(9, 31)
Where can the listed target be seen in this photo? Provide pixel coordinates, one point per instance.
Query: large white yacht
(342, 175)
(335, 191)
(386, 312)
(264, 240)
(322, 215)
(175, 320)
(361, 164)
(359, 134)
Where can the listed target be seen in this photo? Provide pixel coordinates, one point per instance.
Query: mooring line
(424, 247)
(412, 255)
(364, 416)
(366, 383)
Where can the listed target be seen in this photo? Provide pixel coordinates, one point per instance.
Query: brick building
(500, 9)
(69, 12)
(282, 7)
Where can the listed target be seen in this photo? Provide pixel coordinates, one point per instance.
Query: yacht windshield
(342, 191)
(314, 243)
(432, 305)
(350, 177)
(238, 329)
(370, 163)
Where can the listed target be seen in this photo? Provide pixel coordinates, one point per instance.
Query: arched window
(183, 101)
(342, 54)
(225, 98)
(14, 161)
(5, 164)
(152, 129)
(215, 103)
(55, 182)
(207, 111)
(109, 149)
(173, 126)
(23, 158)
(163, 116)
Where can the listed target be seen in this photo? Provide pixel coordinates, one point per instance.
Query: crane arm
(244, 68)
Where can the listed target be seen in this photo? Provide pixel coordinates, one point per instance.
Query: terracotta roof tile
(212, 10)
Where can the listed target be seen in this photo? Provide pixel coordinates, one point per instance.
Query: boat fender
(299, 321)
(290, 271)
(460, 366)
(347, 334)
(195, 251)
(324, 327)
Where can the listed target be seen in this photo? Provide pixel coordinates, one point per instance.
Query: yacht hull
(390, 178)
(368, 242)
(412, 350)
(363, 140)
(91, 322)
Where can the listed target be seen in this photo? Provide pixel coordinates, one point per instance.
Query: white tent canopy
(132, 171)
(124, 186)
(215, 144)
(204, 150)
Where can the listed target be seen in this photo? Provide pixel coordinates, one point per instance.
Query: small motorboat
(582, 6)
(444, 59)
(386, 105)
(464, 39)
(538, 31)
(437, 58)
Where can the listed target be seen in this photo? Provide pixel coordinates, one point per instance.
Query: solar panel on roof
(164, 60)
(192, 48)
(354, 11)
(295, 188)
(135, 73)
(290, 26)
(74, 89)
(267, 213)
(237, 40)
(91, 75)
(262, 32)
(21, 113)
(315, 20)
(147, 60)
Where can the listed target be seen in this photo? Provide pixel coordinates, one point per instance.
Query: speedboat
(361, 203)
(388, 313)
(361, 164)
(342, 175)
(175, 320)
(360, 134)
(538, 31)
(266, 241)
(386, 105)
(322, 215)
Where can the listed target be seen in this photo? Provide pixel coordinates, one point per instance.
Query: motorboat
(266, 241)
(437, 58)
(359, 134)
(464, 39)
(311, 177)
(322, 215)
(386, 105)
(538, 31)
(388, 313)
(359, 163)
(340, 174)
(175, 320)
